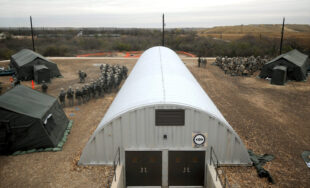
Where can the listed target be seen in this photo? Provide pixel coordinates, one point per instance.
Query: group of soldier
(109, 79)
(241, 66)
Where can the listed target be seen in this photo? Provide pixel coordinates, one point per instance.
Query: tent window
(169, 117)
(50, 125)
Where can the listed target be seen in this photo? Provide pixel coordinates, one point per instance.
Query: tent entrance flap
(279, 75)
(41, 73)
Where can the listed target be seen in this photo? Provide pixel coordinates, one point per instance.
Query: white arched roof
(160, 77)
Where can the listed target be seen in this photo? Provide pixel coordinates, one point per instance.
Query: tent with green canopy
(23, 63)
(30, 120)
(295, 62)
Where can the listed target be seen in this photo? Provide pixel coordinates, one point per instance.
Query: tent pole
(163, 37)
(32, 35)
(282, 35)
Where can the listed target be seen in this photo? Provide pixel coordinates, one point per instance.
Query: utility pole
(163, 37)
(32, 35)
(282, 33)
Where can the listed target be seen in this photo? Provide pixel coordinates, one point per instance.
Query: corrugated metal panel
(161, 81)
(136, 130)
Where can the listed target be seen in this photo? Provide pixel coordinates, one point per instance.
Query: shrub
(55, 51)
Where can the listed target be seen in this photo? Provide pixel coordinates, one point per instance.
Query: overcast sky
(147, 13)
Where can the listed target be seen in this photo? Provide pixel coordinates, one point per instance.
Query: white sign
(199, 140)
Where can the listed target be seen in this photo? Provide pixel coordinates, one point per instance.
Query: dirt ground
(269, 119)
(59, 169)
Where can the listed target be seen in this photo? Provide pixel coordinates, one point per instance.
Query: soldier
(94, 86)
(98, 88)
(109, 83)
(199, 61)
(70, 95)
(84, 94)
(102, 87)
(62, 97)
(125, 71)
(118, 79)
(203, 61)
(81, 77)
(44, 87)
(78, 95)
(16, 81)
(88, 92)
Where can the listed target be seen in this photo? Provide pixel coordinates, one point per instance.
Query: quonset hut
(162, 121)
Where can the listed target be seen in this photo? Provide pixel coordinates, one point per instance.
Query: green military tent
(295, 62)
(24, 61)
(30, 120)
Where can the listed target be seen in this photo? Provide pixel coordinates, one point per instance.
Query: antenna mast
(163, 37)
(282, 33)
(33, 48)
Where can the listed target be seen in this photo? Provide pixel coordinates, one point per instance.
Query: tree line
(65, 42)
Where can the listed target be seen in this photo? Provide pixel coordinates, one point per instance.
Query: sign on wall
(199, 139)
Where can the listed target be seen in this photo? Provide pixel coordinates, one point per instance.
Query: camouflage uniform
(70, 96)
(88, 89)
(98, 89)
(84, 94)
(44, 87)
(62, 97)
(78, 96)
(82, 76)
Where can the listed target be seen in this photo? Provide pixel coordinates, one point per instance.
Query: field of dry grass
(301, 33)
(269, 119)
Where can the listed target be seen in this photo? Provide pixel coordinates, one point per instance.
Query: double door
(186, 168)
(145, 168)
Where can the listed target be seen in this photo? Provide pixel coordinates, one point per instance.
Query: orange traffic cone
(32, 83)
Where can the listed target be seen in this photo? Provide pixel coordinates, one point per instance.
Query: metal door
(186, 168)
(143, 168)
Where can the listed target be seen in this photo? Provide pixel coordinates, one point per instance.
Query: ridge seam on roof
(162, 75)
